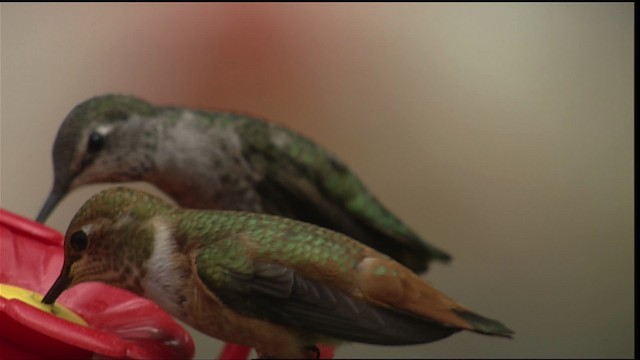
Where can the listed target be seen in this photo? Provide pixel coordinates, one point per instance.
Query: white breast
(162, 282)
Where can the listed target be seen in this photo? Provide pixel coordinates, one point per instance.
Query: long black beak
(61, 284)
(52, 201)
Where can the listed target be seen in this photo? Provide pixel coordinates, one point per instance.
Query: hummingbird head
(97, 142)
(109, 240)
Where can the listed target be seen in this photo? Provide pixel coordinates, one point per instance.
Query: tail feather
(484, 325)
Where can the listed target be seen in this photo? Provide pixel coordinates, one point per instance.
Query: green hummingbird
(273, 283)
(224, 161)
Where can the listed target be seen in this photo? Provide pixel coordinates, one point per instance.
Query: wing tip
(442, 256)
(420, 263)
(485, 325)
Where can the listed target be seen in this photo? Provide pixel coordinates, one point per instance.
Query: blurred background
(503, 133)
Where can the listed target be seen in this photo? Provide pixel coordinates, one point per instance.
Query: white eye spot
(104, 129)
(87, 229)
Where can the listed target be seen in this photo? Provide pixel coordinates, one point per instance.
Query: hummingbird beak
(54, 198)
(61, 284)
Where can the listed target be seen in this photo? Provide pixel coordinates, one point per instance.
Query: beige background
(503, 133)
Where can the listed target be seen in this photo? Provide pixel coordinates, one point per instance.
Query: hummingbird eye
(96, 142)
(79, 241)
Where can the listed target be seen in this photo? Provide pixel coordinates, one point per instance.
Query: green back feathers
(332, 177)
(268, 236)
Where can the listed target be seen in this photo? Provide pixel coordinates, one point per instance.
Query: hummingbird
(224, 161)
(276, 284)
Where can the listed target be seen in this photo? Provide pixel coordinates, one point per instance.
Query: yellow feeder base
(34, 299)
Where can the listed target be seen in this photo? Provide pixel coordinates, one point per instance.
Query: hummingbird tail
(485, 325)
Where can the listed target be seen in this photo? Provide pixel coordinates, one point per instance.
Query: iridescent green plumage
(227, 161)
(265, 281)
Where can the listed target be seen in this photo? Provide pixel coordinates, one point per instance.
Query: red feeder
(119, 324)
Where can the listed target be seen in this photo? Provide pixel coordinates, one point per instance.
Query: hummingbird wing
(281, 295)
(304, 181)
(358, 305)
